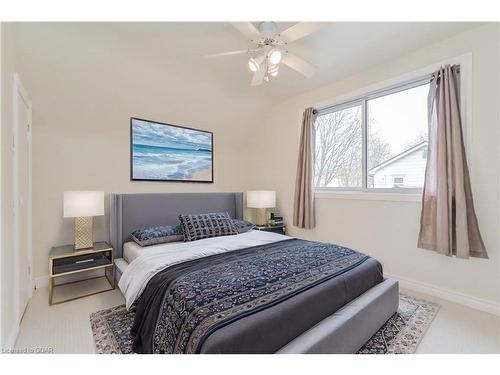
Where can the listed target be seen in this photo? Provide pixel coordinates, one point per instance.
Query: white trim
(498, 229)
(367, 195)
(367, 94)
(491, 307)
(465, 62)
(1, 202)
(19, 90)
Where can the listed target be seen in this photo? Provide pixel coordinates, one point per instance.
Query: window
(339, 148)
(398, 181)
(376, 142)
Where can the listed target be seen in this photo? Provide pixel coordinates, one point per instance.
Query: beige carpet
(66, 327)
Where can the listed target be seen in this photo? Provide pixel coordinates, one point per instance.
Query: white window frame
(407, 81)
(363, 102)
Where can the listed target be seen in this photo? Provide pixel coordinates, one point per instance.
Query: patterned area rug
(401, 334)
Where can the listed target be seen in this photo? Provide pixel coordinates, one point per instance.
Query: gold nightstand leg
(51, 289)
(112, 277)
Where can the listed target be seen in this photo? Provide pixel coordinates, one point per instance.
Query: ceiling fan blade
(300, 30)
(299, 64)
(229, 53)
(258, 76)
(247, 29)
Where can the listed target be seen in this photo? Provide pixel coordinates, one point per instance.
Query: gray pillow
(243, 226)
(156, 235)
(197, 227)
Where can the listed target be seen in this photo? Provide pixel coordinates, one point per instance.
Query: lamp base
(83, 233)
(261, 216)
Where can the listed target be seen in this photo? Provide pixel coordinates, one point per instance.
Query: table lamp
(83, 206)
(261, 200)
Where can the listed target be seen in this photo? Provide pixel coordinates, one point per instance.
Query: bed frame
(345, 331)
(130, 212)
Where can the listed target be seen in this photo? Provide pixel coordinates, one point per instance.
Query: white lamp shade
(83, 203)
(261, 199)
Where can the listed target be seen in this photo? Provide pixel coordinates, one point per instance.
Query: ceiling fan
(271, 49)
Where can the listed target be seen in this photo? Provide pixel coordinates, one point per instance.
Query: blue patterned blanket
(183, 305)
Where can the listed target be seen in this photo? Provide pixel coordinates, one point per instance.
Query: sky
(153, 134)
(399, 118)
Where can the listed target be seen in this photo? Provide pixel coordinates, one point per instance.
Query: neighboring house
(405, 170)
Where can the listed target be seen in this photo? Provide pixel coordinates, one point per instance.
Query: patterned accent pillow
(243, 226)
(156, 235)
(197, 227)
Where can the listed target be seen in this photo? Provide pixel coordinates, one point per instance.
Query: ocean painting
(163, 152)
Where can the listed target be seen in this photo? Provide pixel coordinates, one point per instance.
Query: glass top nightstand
(281, 229)
(64, 261)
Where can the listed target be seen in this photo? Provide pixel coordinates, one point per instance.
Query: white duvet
(157, 257)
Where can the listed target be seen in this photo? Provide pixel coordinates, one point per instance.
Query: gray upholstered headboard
(129, 212)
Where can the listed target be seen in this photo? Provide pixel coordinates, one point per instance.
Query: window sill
(368, 195)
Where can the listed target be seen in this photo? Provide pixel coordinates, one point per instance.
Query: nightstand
(65, 260)
(281, 229)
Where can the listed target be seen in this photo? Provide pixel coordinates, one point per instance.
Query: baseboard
(446, 294)
(43, 281)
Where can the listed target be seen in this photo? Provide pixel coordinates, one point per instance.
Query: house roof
(398, 156)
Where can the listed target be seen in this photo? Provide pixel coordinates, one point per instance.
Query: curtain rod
(456, 67)
(429, 77)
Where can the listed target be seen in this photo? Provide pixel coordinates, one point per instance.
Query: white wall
(84, 91)
(8, 56)
(1, 202)
(388, 230)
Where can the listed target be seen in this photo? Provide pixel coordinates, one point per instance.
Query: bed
(278, 294)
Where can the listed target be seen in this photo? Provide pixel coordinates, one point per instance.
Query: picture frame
(170, 153)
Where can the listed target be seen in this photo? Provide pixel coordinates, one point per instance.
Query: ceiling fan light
(273, 69)
(275, 57)
(253, 65)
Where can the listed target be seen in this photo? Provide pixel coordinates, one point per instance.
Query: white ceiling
(338, 50)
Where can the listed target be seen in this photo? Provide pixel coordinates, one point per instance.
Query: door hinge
(28, 127)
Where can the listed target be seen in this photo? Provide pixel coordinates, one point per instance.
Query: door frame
(20, 92)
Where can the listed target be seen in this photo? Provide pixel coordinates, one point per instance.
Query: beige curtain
(303, 210)
(448, 223)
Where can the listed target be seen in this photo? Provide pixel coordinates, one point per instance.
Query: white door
(22, 196)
